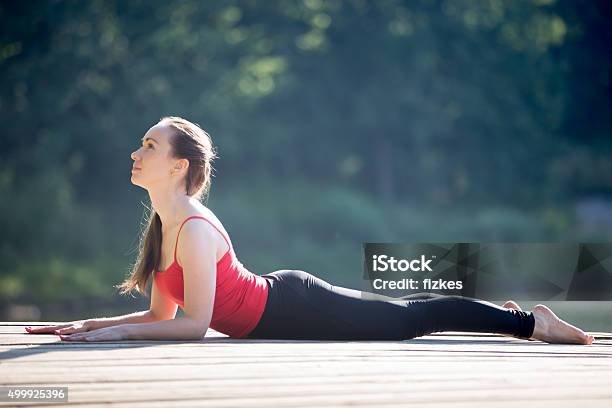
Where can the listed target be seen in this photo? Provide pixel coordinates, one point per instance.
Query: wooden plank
(353, 397)
(67, 374)
(419, 392)
(442, 369)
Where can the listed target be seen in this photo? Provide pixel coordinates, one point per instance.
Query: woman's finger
(45, 329)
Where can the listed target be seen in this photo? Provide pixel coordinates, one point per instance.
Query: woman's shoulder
(202, 212)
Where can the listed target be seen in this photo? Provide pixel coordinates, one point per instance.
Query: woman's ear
(181, 164)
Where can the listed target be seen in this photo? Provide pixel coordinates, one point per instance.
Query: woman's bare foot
(550, 329)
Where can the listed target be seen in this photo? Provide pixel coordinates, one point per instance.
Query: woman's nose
(133, 155)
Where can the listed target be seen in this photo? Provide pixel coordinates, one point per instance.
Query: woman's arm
(81, 326)
(181, 328)
(196, 254)
(161, 308)
(145, 316)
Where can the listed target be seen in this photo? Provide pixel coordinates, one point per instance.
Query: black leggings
(302, 306)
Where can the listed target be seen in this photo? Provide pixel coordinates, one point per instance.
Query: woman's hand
(113, 333)
(78, 326)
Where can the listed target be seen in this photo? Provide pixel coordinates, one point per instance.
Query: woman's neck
(170, 206)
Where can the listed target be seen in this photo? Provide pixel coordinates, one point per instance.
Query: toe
(511, 305)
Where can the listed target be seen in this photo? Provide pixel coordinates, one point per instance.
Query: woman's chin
(134, 181)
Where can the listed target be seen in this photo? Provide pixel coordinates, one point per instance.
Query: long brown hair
(188, 141)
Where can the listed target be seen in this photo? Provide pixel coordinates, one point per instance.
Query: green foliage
(337, 122)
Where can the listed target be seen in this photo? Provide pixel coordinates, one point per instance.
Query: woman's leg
(302, 306)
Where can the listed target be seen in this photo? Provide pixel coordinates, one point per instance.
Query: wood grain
(450, 369)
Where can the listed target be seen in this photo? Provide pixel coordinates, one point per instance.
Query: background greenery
(337, 122)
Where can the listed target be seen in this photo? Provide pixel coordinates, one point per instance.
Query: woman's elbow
(200, 329)
(200, 335)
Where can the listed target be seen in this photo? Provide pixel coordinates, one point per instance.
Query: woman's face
(153, 164)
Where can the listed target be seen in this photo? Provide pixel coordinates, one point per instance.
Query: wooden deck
(448, 369)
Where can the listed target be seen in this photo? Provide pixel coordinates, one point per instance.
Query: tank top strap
(205, 219)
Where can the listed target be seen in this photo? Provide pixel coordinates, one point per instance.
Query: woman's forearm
(180, 328)
(138, 317)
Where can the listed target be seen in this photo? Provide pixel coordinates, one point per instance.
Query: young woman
(188, 255)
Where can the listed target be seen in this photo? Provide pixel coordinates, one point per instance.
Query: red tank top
(240, 296)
